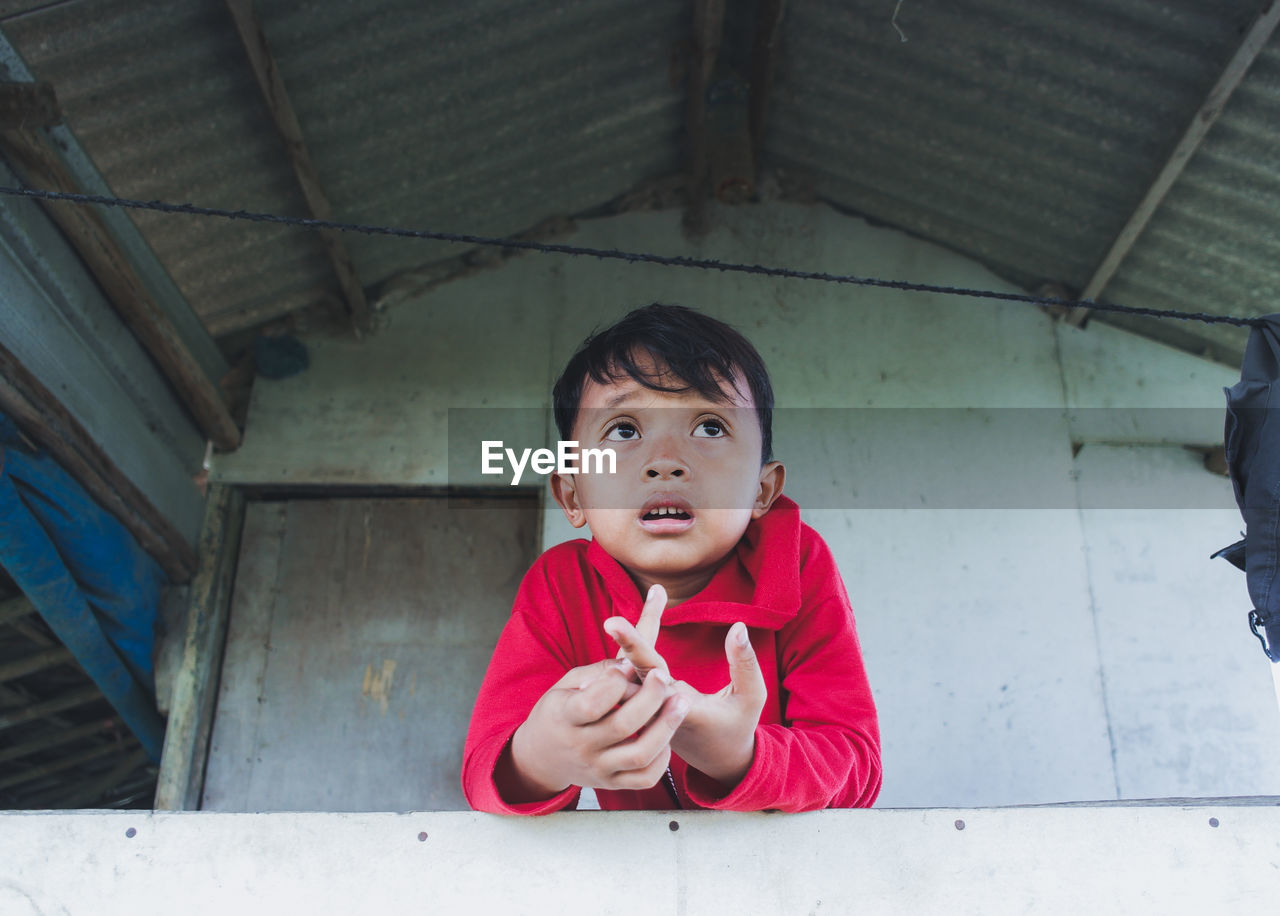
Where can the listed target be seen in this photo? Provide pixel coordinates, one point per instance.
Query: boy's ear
(772, 476)
(564, 487)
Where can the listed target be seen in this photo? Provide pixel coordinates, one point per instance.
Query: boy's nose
(664, 469)
(664, 464)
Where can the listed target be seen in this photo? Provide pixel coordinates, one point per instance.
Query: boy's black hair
(694, 348)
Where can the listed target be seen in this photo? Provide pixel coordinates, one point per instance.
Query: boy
(699, 570)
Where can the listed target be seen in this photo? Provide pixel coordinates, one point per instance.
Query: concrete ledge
(1148, 858)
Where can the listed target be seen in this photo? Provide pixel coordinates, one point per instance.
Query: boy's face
(695, 459)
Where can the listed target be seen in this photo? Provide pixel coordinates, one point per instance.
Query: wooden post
(286, 122)
(31, 154)
(195, 687)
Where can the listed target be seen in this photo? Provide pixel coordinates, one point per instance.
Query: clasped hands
(614, 724)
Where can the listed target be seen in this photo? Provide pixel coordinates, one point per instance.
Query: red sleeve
(528, 660)
(826, 754)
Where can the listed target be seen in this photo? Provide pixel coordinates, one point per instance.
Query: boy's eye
(622, 432)
(709, 429)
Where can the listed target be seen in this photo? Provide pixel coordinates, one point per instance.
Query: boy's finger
(582, 676)
(745, 678)
(650, 621)
(595, 699)
(651, 741)
(631, 716)
(633, 647)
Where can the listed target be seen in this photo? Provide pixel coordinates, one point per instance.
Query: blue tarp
(86, 575)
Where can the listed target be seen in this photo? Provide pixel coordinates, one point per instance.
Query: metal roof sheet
(1020, 134)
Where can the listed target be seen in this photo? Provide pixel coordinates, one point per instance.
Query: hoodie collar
(759, 583)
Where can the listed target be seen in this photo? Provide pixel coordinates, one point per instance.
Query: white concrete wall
(957, 861)
(1039, 626)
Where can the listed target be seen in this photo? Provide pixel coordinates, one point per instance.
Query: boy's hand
(717, 736)
(637, 643)
(595, 727)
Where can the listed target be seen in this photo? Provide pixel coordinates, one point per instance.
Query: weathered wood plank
(42, 417)
(182, 763)
(28, 105)
(286, 122)
(36, 159)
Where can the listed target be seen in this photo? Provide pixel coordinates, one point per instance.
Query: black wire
(616, 255)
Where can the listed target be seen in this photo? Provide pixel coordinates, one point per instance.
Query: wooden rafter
(12, 609)
(66, 763)
(31, 153)
(28, 105)
(37, 661)
(52, 738)
(82, 697)
(1252, 44)
(708, 27)
(286, 122)
(768, 27)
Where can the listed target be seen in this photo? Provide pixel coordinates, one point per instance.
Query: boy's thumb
(744, 667)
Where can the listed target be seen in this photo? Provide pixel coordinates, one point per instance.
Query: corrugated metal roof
(1021, 134)
(161, 97)
(1214, 245)
(479, 117)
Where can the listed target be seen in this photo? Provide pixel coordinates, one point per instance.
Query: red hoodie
(818, 741)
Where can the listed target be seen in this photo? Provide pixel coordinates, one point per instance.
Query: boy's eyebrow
(619, 398)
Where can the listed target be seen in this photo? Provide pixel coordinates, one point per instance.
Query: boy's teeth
(665, 510)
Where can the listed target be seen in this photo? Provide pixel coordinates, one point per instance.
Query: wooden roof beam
(286, 122)
(763, 57)
(16, 608)
(52, 738)
(37, 661)
(23, 714)
(707, 30)
(32, 154)
(28, 105)
(67, 763)
(1254, 41)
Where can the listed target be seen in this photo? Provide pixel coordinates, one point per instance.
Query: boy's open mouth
(666, 514)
